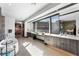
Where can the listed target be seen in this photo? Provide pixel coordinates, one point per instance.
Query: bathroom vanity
(66, 42)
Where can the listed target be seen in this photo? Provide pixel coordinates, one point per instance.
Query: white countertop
(64, 36)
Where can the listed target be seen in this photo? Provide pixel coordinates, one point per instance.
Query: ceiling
(24, 11)
(20, 10)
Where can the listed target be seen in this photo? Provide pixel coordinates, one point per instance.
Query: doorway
(19, 29)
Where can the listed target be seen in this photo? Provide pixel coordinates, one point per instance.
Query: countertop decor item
(8, 46)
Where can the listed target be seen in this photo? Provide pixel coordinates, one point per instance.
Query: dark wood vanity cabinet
(78, 48)
(2, 28)
(73, 46)
(29, 34)
(69, 45)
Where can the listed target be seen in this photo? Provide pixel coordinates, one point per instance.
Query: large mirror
(43, 25)
(68, 27)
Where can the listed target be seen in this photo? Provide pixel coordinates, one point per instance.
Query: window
(55, 27)
(47, 25)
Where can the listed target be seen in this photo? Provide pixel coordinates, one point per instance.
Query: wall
(28, 28)
(46, 13)
(10, 24)
(69, 9)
